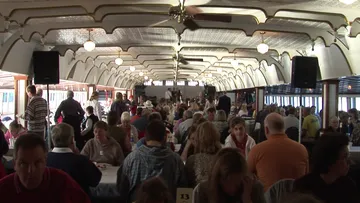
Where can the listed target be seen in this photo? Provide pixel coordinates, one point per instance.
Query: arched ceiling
(147, 37)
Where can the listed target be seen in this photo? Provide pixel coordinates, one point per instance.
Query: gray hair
(334, 118)
(220, 115)
(62, 135)
(125, 116)
(188, 114)
(70, 94)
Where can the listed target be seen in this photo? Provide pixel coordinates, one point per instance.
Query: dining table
(107, 186)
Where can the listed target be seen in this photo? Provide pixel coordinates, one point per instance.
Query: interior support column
(21, 98)
(90, 89)
(260, 96)
(330, 95)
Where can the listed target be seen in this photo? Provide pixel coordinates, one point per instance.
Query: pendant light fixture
(146, 77)
(141, 74)
(89, 45)
(234, 62)
(262, 48)
(132, 67)
(118, 60)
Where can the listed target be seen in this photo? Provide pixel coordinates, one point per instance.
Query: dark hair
(163, 115)
(211, 110)
(31, 89)
(153, 190)
(226, 162)
(90, 109)
(292, 110)
(139, 111)
(181, 112)
(113, 118)
(211, 99)
(29, 141)
(101, 125)
(155, 131)
(326, 151)
(237, 120)
(354, 112)
(154, 116)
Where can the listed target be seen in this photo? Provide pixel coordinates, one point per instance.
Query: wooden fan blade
(214, 17)
(189, 23)
(183, 61)
(194, 59)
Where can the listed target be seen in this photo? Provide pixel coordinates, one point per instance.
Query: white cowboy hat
(148, 104)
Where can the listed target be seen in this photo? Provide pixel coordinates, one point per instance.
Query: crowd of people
(217, 157)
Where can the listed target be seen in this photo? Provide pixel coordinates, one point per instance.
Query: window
(287, 101)
(192, 83)
(147, 83)
(158, 83)
(201, 83)
(181, 83)
(169, 83)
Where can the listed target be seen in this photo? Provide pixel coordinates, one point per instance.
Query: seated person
(15, 130)
(129, 129)
(152, 117)
(330, 165)
(102, 148)
(118, 133)
(87, 126)
(33, 181)
(229, 181)
(153, 190)
(63, 157)
(239, 138)
(150, 160)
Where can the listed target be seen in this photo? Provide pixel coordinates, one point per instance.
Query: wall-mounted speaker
(46, 67)
(305, 72)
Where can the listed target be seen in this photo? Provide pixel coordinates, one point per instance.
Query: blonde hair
(93, 95)
(244, 107)
(207, 139)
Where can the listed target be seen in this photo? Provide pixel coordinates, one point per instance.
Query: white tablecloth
(107, 185)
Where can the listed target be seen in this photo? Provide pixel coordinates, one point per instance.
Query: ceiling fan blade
(214, 17)
(185, 68)
(190, 23)
(183, 61)
(158, 23)
(194, 59)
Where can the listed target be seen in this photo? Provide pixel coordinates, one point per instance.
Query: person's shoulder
(305, 181)
(7, 182)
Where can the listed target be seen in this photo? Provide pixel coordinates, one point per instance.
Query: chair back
(279, 190)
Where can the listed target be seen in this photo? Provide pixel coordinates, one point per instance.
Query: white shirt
(97, 108)
(88, 127)
(62, 150)
(250, 143)
(291, 121)
(168, 95)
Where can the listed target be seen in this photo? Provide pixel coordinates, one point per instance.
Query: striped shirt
(35, 114)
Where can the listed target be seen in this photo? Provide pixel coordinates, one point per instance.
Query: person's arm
(98, 110)
(123, 183)
(80, 110)
(92, 173)
(58, 111)
(184, 154)
(29, 112)
(86, 151)
(4, 147)
(182, 180)
(135, 133)
(89, 124)
(251, 161)
(119, 159)
(304, 128)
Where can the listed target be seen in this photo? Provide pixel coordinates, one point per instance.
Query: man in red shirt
(33, 181)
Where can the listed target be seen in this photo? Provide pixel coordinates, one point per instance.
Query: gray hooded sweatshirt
(147, 162)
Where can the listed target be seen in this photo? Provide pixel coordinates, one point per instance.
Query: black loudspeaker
(210, 91)
(46, 67)
(305, 72)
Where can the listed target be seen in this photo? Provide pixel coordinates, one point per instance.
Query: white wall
(187, 92)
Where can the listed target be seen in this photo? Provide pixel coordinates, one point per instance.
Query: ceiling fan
(179, 58)
(188, 14)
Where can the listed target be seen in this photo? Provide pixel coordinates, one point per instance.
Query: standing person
(73, 114)
(33, 181)
(310, 125)
(210, 103)
(168, 96)
(224, 104)
(36, 112)
(278, 157)
(118, 105)
(95, 104)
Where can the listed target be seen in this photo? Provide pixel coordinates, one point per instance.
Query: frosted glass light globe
(89, 45)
